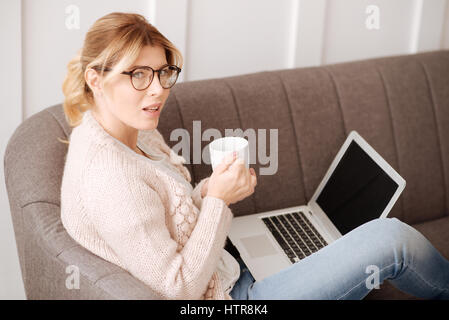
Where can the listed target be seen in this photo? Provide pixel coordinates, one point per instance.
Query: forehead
(153, 56)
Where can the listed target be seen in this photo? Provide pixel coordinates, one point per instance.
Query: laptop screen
(357, 191)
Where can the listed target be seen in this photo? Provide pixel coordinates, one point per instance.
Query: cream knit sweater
(144, 215)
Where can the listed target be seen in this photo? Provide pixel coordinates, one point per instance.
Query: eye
(165, 71)
(138, 74)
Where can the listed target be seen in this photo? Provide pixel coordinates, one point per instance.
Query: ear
(93, 81)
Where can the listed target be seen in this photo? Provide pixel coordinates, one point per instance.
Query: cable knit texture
(147, 220)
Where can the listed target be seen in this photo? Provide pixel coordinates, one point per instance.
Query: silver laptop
(359, 186)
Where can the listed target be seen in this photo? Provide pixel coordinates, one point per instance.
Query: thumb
(226, 162)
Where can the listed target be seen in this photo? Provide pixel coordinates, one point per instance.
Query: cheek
(124, 95)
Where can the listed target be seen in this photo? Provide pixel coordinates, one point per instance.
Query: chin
(151, 126)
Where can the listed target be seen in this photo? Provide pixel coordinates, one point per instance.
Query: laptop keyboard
(295, 234)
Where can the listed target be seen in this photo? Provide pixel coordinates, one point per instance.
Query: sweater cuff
(196, 193)
(217, 205)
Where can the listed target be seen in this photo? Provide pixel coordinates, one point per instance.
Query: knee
(394, 233)
(389, 225)
(386, 225)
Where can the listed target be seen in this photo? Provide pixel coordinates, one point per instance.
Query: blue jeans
(355, 264)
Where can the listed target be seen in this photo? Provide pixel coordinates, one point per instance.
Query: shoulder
(107, 160)
(110, 176)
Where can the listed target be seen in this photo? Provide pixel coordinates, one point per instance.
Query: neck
(117, 129)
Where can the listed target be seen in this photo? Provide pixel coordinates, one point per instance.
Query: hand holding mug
(231, 180)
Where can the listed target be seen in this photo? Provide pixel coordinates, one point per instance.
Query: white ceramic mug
(220, 148)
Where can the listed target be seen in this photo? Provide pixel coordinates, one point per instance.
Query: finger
(237, 164)
(250, 187)
(247, 174)
(246, 179)
(253, 178)
(252, 171)
(227, 161)
(253, 181)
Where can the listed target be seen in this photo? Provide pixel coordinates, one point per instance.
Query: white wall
(235, 37)
(11, 286)
(217, 37)
(347, 38)
(445, 33)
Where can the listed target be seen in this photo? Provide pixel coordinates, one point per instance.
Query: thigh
(341, 270)
(240, 289)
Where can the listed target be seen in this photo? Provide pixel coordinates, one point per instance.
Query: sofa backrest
(399, 104)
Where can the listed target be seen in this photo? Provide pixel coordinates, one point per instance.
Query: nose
(155, 87)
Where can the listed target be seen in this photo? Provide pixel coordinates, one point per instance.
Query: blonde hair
(114, 41)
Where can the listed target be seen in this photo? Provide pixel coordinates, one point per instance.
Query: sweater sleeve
(196, 193)
(129, 215)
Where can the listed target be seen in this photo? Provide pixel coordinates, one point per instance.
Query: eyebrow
(139, 66)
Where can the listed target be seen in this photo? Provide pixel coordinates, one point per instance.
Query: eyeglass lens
(142, 78)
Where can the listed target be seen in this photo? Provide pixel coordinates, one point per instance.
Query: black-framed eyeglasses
(141, 77)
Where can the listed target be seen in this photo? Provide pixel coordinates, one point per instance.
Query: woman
(126, 196)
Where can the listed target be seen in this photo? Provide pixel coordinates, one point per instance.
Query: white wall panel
(307, 33)
(445, 33)
(347, 37)
(11, 286)
(431, 22)
(235, 37)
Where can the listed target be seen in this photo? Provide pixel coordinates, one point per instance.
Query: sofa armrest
(57, 267)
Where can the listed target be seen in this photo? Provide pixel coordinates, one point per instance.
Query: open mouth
(151, 109)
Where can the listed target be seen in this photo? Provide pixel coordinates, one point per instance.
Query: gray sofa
(399, 104)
